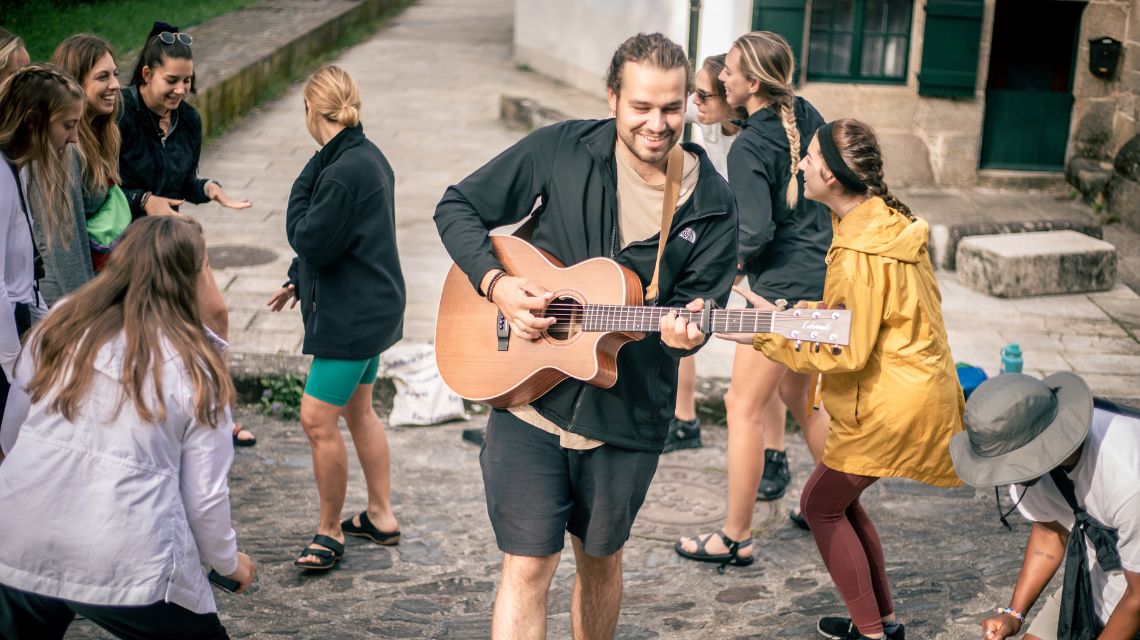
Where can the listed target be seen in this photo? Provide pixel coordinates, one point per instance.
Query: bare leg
(212, 305)
(596, 601)
(755, 379)
(330, 463)
(372, 449)
(520, 604)
(686, 408)
(775, 422)
(794, 391)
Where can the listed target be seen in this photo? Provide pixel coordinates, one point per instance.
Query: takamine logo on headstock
(816, 326)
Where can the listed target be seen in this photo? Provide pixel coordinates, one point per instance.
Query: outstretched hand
(757, 301)
(215, 192)
(283, 295)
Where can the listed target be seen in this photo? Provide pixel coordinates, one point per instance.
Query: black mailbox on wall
(1104, 54)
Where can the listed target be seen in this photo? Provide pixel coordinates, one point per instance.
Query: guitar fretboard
(602, 317)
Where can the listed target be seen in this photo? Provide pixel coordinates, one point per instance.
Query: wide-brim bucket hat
(1019, 428)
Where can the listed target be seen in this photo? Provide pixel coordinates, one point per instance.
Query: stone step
(1036, 263)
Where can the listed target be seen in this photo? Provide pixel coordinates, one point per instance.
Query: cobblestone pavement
(948, 557)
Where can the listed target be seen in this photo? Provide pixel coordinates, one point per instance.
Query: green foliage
(281, 396)
(43, 24)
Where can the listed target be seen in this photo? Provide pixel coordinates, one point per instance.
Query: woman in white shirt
(40, 107)
(119, 470)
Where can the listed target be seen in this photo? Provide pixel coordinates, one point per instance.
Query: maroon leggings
(849, 544)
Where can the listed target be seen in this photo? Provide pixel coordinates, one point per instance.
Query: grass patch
(43, 24)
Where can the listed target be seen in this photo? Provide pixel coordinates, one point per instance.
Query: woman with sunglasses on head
(119, 471)
(161, 144)
(40, 108)
(893, 393)
(781, 247)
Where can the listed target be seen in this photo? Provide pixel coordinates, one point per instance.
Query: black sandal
(326, 557)
(733, 556)
(370, 531)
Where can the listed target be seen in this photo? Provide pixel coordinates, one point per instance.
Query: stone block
(1089, 176)
(526, 114)
(1124, 200)
(1093, 133)
(1034, 264)
(1127, 162)
(906, 158)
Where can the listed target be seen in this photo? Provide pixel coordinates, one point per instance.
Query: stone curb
(222, 100)
(526, 114)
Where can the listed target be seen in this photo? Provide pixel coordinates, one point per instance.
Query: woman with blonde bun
(341, 222)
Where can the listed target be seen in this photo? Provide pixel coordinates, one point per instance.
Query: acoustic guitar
(597, 307)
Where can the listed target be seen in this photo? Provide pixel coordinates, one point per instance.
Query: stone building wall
(1105, 111)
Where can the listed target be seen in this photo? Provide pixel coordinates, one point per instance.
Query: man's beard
(629, 139)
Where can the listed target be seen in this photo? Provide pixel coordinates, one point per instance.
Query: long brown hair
(99, 138)
(149, 292)
(767, 57)
(10, 43)
(859, 147)
(30, 101)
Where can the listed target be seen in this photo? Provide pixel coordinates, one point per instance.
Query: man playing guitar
(580, 458)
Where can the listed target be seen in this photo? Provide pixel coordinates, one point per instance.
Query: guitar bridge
(503, 332)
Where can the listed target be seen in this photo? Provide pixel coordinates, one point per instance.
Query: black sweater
(341, 222)
(570, 165)
(147, 163)
(782, 249)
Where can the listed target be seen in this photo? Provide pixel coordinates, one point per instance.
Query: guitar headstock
(818, 325)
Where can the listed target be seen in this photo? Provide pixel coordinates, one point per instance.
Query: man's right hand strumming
(518, 299)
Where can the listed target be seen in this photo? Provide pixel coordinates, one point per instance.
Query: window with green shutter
(950, 48)
(785, 17)
(859, 40)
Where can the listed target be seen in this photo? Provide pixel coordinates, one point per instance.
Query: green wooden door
(1029, 98)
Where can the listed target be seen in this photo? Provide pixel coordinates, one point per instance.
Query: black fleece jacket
(782, 249)
(341, 221)
(147, 163)
(570, 166)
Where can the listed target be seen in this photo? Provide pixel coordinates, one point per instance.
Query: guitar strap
(668, 207)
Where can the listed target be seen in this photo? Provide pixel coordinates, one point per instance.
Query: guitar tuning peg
(836, 351)
(817, 347)
(840, 306)
(799, 343)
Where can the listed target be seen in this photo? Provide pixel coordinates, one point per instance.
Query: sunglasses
(168, 38)
(703, 96)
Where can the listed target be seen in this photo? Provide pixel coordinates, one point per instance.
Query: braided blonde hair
(859, 147)
(767, 58)
(30, 101)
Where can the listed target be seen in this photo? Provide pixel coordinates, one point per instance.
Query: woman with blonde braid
(782, 243)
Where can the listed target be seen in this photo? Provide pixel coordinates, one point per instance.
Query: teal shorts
(334, 381)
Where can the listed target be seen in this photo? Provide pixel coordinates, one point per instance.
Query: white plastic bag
(421, 396)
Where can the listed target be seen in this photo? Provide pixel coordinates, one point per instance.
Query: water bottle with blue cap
(1011, 361)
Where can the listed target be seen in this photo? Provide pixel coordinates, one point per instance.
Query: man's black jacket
(341, 222)
(570, 166)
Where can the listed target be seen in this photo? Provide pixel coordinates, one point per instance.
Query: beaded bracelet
(1013, 612)
(491, 285)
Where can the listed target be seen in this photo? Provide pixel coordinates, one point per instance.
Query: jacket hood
(874, 228)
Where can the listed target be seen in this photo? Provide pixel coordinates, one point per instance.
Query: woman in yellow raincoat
(893, 393)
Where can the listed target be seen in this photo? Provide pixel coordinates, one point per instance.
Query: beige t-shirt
(639, 218)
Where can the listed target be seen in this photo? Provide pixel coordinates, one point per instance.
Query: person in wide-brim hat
(1018, 428)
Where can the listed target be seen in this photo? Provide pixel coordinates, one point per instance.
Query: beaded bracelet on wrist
(1013, 612)
(491, 285)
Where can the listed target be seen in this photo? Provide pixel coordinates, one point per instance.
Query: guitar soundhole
(567, 314)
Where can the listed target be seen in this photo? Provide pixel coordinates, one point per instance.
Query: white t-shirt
(714, 141)
(1107, 483)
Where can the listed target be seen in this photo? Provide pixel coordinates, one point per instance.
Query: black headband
(835, 163)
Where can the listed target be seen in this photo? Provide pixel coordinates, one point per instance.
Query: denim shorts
(537, 490)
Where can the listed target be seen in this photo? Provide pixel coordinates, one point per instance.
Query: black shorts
(537, 490)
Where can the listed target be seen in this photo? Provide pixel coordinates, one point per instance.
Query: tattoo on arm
(1045, 554)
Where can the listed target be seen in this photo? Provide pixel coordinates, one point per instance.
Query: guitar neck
(602, 317)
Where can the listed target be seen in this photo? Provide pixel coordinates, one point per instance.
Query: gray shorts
(537, 491)
(1048, 616)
